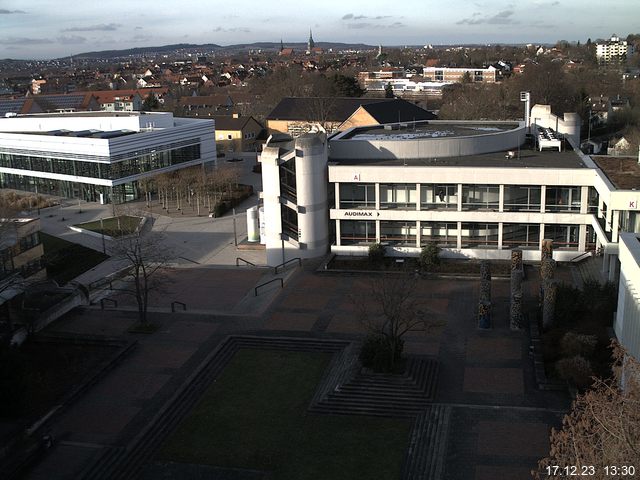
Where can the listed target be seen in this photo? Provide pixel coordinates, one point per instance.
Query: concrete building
(99, 156)
(613, 51)
(477, 189)
(627, 320)
(235, 133)
(456, 75)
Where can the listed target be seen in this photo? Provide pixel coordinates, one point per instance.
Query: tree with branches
(603, 427)
(390, 310)
(145, 255)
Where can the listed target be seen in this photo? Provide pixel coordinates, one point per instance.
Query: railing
(174, 303)
(255, 290)
(581, 256)
(247, 262)
(284, 264)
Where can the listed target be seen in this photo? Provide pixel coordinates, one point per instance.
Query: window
(443, 234)
(357, 195)
(479, 235)
(229, 137)
(354, 232)
(520, 235)
(480, 197)
(522, 198)
(562, 199)
(289, 222)
(288, 179)
(439, 196)
(564, 237)
(398, 196)
(398, 233)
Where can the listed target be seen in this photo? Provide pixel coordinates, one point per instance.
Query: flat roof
(526, 158)
(82, 133)
(622, 172)
(427, 129)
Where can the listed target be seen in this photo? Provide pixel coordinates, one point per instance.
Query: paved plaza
(499, 423)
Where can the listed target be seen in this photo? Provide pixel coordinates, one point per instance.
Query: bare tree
(145, 255)
(603, 427)
(390, 310)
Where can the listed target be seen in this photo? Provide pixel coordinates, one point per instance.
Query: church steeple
(310, 43)
(281, 45)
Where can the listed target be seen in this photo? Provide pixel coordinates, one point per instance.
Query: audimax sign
(361, 213)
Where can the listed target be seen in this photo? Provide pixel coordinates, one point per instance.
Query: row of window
(474, 197)
(472, 234)
(148, 161)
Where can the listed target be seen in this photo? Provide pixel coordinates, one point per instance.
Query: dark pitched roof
(397, 110)
(310, 108)
(226, 122)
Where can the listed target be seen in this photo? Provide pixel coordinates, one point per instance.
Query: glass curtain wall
(443, 196)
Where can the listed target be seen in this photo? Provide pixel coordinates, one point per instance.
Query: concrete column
(501, 203)
(615, 225)
(500, 236)
(459, 198)
(418, 233)
(582, 238)
(608, 223)
(543, 198)
(418, 196)
(584, 199)
(338, 242)
(377, 190)
(541, 236)
(337, 194)
(459, 245)
(377, 231)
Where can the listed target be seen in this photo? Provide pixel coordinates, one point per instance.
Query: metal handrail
(255, 290)
(174, 303)
(579, 257)
(238, 259)
(283, 264)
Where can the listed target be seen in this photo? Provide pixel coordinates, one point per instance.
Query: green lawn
(113, 226)
(66, 260)
(254, 416)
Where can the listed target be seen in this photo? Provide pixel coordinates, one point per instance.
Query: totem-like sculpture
(484, 305)
(549, 304)
(517, 275)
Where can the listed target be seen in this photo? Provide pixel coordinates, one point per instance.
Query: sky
(42, 29)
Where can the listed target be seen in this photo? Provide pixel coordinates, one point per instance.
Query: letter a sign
(356, 177)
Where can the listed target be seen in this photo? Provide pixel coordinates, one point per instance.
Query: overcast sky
(47, 28)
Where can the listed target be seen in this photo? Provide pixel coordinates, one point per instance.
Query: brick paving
(499, 423)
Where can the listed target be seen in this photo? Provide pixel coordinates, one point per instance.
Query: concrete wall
(627, 320)
(430, 147)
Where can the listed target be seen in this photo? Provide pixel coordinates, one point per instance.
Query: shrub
(429, 256)
(13, 386)
(376, 353)
(576, 370)
(573, 344)
(376, 253)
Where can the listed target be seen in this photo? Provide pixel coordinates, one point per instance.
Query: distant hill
(182, 47)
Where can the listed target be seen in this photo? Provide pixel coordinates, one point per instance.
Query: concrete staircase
(427, 445)
(589, 269)
(383, 395)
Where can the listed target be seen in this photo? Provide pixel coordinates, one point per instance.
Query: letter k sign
(633, 204)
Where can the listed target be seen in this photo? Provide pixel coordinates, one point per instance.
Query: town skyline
(42, 30)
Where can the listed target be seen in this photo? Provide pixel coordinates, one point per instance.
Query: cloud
(138, 28)
(108, 27)
(24, 41)
(500, 18)
(71, 39)
(359, 26)
(4, 11)
(543, 4)
(233, 29)
(396, 25)
(348, 16)
(139, 38)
